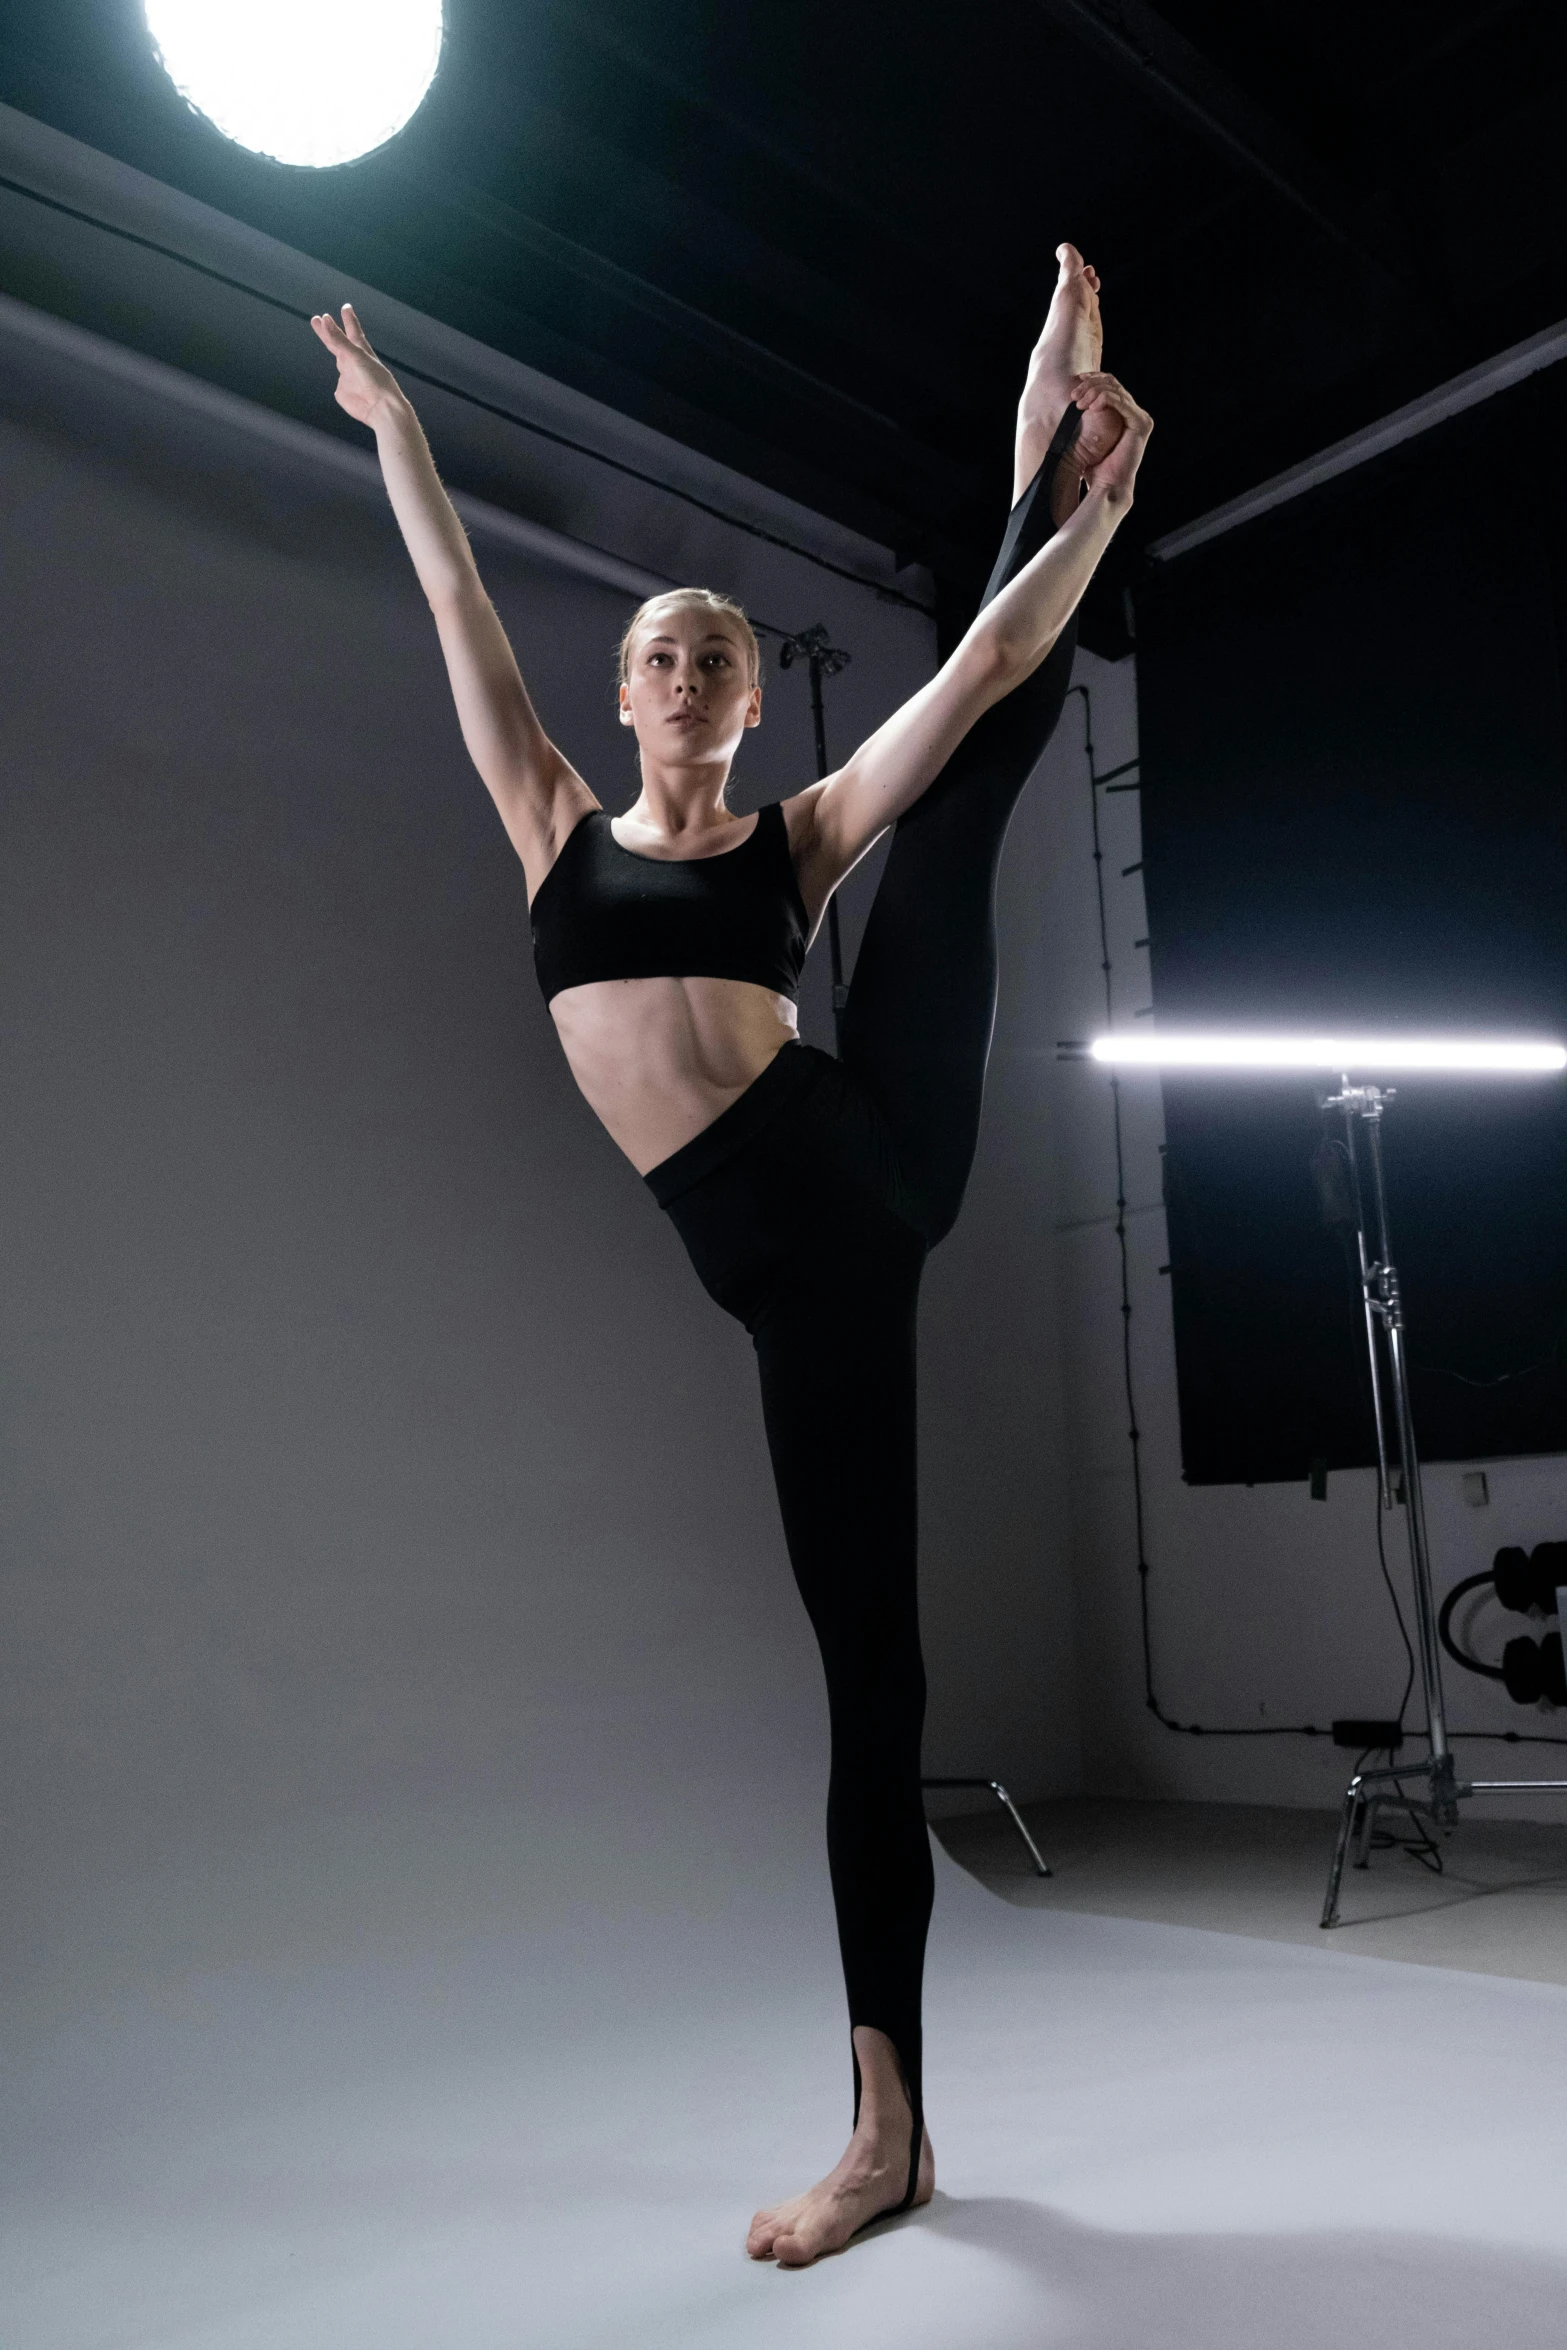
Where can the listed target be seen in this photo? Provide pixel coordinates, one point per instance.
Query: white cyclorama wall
(388, 1528)
(1266, 1607)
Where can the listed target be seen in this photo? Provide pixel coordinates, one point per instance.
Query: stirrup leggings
(807, 1209)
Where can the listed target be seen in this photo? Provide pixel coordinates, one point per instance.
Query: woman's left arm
(834, 823)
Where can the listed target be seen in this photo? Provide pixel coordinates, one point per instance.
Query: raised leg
(1070, 345)
(922, 1002)
(921, 1008)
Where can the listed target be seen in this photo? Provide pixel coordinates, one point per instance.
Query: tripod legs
(1042, 1867)
(1349, 1823)
(1372, 1791)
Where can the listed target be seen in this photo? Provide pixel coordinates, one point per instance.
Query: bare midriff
(659, 1059)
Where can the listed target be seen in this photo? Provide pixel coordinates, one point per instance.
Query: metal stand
(1398, 1476)
(1041, 1867)
(826, 660)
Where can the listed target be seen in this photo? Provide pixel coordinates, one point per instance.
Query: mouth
(685, 718)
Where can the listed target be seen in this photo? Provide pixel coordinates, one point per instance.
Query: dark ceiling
(815, 239)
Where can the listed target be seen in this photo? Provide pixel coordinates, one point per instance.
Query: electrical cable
(1398, 1616)
(755, 530)
(1511, 1737)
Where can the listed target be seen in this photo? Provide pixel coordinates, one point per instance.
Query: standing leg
(835, 1347)
(917, 1026)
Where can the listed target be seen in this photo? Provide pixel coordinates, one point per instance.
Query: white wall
(388, 1537)
(1266, 1606)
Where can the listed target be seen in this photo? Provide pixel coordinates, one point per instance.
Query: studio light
(1475, 1056)
(312, 82)
(1353, 1190)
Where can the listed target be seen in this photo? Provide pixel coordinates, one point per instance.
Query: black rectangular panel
(1355, 815)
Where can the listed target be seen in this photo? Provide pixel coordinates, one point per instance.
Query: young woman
(807, 1190)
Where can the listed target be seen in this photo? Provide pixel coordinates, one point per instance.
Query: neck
(685, 799)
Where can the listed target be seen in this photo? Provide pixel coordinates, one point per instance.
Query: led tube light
(1491, 1056)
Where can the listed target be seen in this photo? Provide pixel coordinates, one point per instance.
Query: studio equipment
(306, 82)
(1042, 1867)
(1352, 1191)
(1527, 1583)
(1471, 1056)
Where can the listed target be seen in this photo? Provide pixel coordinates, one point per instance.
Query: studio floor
(1154, 2131)
(1497, 1907)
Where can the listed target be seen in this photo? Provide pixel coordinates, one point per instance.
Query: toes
(792, 2251)
(1070, 259)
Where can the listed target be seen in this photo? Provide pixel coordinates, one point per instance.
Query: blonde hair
(692, 599)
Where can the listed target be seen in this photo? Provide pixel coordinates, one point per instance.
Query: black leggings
(807, 1209)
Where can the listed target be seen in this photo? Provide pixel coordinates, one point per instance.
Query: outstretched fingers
(364, 382)
(354, 332)
(345, 339)
(1113, 434)
(341, 345)
(1107, 391)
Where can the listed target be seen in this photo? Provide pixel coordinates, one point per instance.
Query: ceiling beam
(1547, 349)
(1134, 38)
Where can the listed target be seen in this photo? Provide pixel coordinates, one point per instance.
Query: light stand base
(1041, 1866)
(1370, 1792)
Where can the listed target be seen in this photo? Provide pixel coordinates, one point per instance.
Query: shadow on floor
(1105, 2291)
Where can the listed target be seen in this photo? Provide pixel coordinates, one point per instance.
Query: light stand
(825, 661)
(1398, 1481)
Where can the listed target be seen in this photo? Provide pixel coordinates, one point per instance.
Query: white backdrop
(390, 1542)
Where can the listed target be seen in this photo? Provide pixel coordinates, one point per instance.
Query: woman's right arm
(538, 792)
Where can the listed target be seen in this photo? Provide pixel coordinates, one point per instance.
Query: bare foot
(1070, 346)
(871, 2179)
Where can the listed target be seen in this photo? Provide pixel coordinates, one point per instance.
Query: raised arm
(538, 792)
(835, 822)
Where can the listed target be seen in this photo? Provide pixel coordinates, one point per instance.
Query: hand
(1111, 416)
(364, 386)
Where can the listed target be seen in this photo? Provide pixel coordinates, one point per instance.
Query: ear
(625, 705)
(753, 708)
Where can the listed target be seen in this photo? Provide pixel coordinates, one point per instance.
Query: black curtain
(1355, 815)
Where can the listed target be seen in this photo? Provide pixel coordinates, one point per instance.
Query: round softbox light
(311, 82)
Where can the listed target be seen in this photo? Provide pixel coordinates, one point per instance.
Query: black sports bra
(603, 912)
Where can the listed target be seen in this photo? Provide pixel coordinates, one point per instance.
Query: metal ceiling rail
(78, 344)
(1543, 350)
(112, 201)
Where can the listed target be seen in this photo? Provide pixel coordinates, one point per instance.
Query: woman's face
(688, 693)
